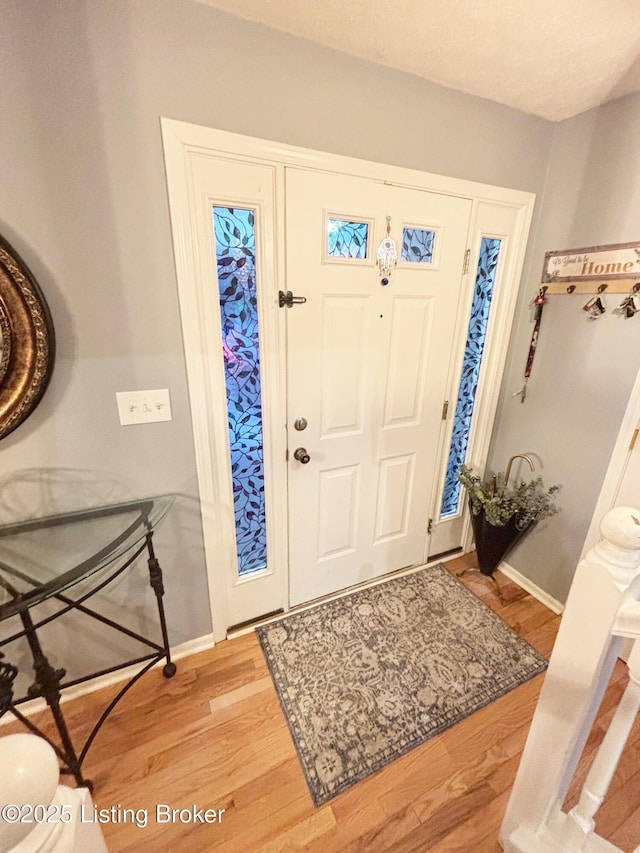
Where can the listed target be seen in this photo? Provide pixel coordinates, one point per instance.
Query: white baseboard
(532, 588)
(191, 647)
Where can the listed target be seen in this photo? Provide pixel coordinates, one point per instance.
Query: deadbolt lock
(300, 424)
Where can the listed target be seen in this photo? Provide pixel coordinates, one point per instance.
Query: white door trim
(197, 139)
(616, 468)
(185, 142)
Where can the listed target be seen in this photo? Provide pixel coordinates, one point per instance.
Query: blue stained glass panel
(347, 239)
(417, 245)
(234, 230)
(480, 307)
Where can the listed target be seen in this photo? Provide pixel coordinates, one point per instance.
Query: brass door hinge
(445, 410)
(465, 265)
(430, 527)
(634, 438)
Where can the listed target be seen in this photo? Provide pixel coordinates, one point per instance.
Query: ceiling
(552, 58)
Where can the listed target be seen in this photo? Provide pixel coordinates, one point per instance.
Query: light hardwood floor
(215, 737)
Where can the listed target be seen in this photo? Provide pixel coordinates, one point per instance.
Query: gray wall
(583, 371)
(83, 199)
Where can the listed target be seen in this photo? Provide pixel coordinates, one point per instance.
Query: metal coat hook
(571, 288)
(602, 287)
(630, 305)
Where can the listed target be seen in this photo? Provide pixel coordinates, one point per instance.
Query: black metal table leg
(8, 673)
(155, 579)
(47, 685)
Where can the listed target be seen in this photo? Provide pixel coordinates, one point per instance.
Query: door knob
(301, 455)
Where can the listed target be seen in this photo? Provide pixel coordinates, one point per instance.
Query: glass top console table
(42, 560)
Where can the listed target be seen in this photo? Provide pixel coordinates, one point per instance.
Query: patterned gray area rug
(368, 677)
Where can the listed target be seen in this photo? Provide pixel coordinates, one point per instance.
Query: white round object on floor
(29, 777)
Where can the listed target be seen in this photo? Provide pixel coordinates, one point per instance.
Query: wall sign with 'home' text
(588, 270)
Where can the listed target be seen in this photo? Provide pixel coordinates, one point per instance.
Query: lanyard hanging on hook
(538, 302)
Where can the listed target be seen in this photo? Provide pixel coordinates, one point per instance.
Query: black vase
(493, 543)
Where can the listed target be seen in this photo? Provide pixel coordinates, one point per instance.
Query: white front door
(368, 365)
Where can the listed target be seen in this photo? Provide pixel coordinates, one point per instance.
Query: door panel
(345, 330)
(367, 368)
(337, 511)
(408, 353)
(395, 481)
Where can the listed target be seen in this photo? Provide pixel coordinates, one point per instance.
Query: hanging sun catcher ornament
(387, 255)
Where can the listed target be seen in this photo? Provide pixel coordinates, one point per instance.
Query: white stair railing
(602, 609)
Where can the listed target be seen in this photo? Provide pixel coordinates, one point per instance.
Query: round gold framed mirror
(27, 341)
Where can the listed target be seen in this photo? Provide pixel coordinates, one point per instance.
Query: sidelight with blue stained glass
(234, 230)
(476, 336)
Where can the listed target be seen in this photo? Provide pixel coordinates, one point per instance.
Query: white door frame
(616, 469)
(183, 143)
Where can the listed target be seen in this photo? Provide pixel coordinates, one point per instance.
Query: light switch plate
(143, 407)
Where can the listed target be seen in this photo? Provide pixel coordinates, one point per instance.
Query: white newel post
(38, 815)
(601, 610)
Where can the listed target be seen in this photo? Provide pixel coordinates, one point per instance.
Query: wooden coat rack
(614, 268)
(618, 285)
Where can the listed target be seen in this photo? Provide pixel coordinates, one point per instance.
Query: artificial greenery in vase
(500, 515)
(528, 501)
